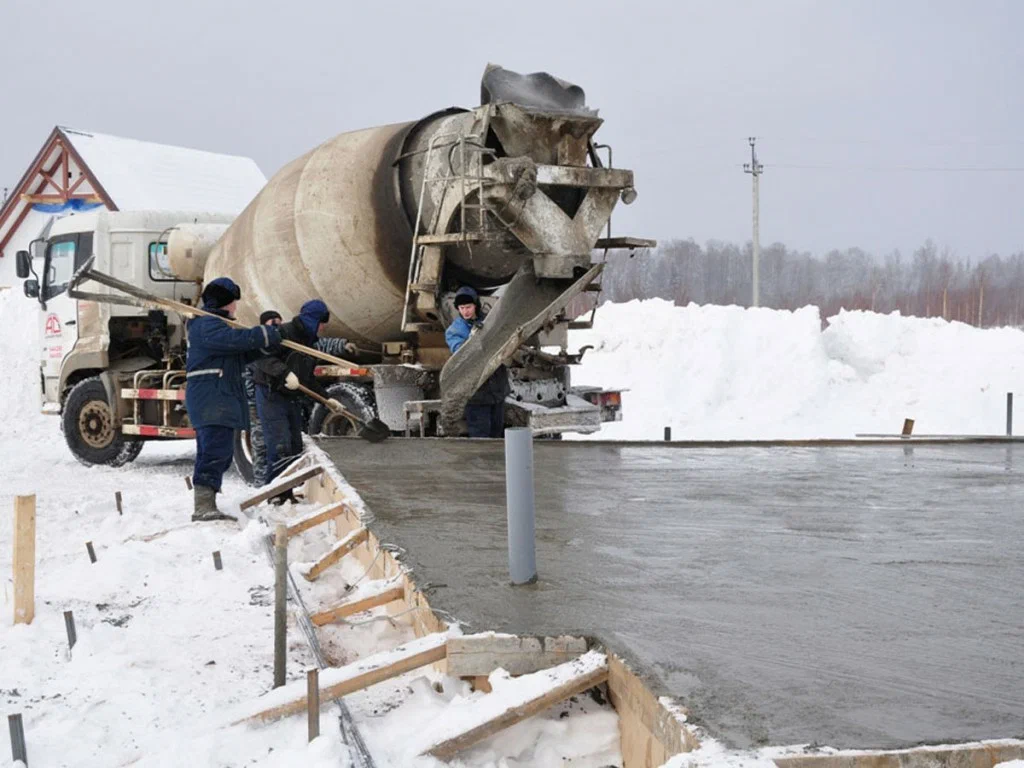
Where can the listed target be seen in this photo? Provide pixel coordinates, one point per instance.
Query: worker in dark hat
(485, 412)
(214, 396)
(271, 317)
(278, 401)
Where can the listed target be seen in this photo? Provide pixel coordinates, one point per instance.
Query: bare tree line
(930, 283)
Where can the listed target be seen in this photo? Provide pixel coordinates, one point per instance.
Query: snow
(712, 372)
(141, 175)
(168, 647)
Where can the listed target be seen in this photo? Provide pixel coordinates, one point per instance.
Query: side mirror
(31, 288)
(23, 264)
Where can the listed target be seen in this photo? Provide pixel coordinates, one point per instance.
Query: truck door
(59, 318)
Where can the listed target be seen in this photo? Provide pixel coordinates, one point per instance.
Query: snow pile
(20, 400)
(713, 372)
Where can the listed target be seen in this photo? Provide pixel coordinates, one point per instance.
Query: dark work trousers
(215, 448)
(281, 419)
(486, 420)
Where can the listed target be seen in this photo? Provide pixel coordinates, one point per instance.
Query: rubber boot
(206, 505)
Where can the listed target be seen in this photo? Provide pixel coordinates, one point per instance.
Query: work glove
(351, 348)
(334, 405)
(291, 381)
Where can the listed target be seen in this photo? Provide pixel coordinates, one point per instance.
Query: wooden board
(341, 681)
(476, 655)
(338, 551)
(564, 681)
(314, 519)
(24, 559)
(349, 607)
(978, 754)
(280, 486)
(649, 732)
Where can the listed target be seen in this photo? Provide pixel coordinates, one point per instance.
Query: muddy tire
(244, 457)
(89, 429)
(358, 400)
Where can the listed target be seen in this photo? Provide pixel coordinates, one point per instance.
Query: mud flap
(526, 306)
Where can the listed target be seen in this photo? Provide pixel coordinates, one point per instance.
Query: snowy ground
(733, 373)
(168, 648)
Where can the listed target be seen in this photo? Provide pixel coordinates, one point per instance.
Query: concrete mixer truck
(512, 197)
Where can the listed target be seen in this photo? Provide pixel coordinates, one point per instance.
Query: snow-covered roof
(76, 169)
(141, 175)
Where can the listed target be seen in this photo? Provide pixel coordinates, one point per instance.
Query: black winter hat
(270, 314)
(220, 292)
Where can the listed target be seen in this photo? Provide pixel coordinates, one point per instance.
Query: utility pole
(755, 169)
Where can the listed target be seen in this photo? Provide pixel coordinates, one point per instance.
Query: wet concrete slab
(859, 597)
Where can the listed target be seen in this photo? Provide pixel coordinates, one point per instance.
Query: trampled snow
(712, 372)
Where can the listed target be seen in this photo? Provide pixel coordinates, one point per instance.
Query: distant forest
(928, 283)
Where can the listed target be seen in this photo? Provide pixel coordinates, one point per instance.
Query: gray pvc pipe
(522, 556)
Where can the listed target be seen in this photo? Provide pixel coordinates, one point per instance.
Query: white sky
(875, 101)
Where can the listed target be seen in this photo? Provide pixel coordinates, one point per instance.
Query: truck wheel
(356, 399)
(89, 428)
(244, 456)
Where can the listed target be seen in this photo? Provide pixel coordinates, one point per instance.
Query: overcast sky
(877, 121)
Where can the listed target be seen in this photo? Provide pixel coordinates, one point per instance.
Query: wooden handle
(187, 310)
(310, 393)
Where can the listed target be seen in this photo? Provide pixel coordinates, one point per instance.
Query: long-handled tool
(373, 430)
(141, 298)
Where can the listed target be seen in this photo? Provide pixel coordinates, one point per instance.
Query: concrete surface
(859, 597)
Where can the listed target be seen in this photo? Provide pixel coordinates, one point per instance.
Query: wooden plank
(24, 559)
(280, 486)
(494, 713)
(350, 607)
(338, 551)
(479, 655)
(650, 732)
(977, 754)
(480, 683)
(314, 519)
(341, 681)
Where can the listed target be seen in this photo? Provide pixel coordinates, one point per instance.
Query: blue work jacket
(217, 355)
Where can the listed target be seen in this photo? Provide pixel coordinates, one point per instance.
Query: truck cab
(96, 346)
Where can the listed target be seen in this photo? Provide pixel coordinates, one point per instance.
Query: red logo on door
(52, 327)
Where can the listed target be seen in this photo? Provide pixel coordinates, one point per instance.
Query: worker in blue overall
(278, 401)
(214, 396)
(485, 412)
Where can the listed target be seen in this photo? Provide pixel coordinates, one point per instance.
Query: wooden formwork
(651, 730)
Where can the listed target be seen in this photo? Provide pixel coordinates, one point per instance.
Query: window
(160, 263)
(66, 255)
(60, 265)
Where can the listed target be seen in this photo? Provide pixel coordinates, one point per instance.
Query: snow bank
(19, 374)
(713, 372)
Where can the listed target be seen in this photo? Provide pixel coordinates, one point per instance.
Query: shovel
(374, 430)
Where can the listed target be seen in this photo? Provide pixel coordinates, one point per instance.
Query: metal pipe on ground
(522, 555)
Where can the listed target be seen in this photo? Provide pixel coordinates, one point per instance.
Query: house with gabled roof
(79, 171)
